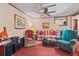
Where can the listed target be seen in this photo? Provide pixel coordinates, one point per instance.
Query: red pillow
(41, 33)
(54, 33)
(29, 33)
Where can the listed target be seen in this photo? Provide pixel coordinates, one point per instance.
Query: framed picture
(45, 25)
(19, 22)
(61, 21)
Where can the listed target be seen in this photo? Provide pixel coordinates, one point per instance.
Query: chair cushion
(63, 42)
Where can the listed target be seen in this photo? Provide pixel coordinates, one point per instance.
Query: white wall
(37, 23)
(7, 19)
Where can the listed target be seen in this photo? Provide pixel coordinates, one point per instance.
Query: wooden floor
(40, 50)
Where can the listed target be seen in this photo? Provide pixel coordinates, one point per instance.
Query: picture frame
(19, 22)
(45, 25)
(61, 20)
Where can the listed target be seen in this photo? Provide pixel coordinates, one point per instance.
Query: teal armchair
(67, 40)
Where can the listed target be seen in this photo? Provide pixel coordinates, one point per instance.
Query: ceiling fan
(45, 10)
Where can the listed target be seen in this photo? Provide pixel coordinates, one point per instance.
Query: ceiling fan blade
(51, 5)
(52, 12)
(48, 14)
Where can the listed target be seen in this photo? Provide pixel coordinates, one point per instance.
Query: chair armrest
(73, 41)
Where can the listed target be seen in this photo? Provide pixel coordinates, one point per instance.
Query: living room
(33, 27)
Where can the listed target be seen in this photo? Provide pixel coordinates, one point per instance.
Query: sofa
(8, 47)
(17, 43)
(46, 42)
(67, 40)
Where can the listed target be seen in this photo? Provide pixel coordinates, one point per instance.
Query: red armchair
(29, 40)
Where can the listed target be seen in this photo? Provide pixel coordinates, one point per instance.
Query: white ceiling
(62, 9)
